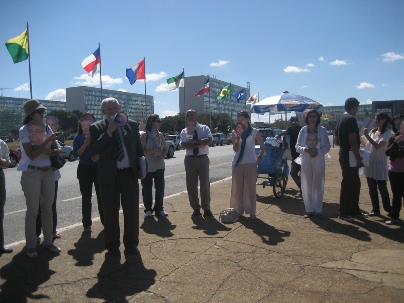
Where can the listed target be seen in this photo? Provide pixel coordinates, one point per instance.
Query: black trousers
(350, 188)
(87, 175)
(147, 191)
(397, 187)
(2, 203)
(374, 195)
(124, 191)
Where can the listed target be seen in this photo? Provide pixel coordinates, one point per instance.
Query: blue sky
(325, 50)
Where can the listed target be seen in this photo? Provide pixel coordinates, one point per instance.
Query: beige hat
(32, 105)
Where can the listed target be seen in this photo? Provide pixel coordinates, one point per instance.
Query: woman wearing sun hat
(37, 144)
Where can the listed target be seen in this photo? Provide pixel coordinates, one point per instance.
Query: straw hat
(32, 105)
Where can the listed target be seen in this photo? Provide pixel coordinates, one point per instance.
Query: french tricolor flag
(92, 63)
(136, 72)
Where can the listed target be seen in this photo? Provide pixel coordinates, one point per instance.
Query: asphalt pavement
(278, 257)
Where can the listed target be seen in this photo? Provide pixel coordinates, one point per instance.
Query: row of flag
(19, 50)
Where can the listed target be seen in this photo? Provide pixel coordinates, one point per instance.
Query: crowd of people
(114, 156)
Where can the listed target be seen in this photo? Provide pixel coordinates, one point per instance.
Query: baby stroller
(274, 166)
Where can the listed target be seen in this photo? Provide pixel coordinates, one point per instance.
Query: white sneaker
(148, 214)
(163, 213)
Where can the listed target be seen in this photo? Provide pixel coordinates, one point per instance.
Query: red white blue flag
(136, 72)
(92, 63)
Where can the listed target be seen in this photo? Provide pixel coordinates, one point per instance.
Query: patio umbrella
(286, 102)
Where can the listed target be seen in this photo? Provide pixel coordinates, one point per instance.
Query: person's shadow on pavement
(116, 281)
(209, 225)
(24, 275)
(269, 234)
(86, 247)
(160, 226)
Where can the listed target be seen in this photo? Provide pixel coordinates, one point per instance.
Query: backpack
(229, 215)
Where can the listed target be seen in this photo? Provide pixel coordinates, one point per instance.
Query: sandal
(308, 215)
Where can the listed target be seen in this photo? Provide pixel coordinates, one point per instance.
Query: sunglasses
(38, 111)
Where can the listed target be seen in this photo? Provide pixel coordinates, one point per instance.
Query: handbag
(229, 215)
(57, 162)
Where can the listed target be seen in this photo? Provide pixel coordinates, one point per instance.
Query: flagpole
(99, 46)
(231, 110)
(185, 112)
(29, 62)
(210, 109)
(145, 104)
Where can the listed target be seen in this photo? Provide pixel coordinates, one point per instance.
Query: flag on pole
(240, 95)
(203, 90)
(136, 72)
(92, 63)
(224, 92)
(253, 99)
(176, 82)
(18, 47)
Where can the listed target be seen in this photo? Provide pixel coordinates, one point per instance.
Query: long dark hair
(313, 111)
(86, 116)
(393, 124)
(382, 116)
(152, 118)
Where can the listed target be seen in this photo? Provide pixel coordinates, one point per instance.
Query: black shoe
(207, 213)
(6, 250)
(197, 212)
(132, 251)
(114, 252)
(373, 214)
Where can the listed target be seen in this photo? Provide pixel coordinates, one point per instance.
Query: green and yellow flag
(18, 47)
(224, 92)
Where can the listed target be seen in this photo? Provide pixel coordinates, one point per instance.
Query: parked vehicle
(170, 145)
(230, 137)
(215, 140)
(15, 156)
(176, 139)
(67, 152)
(220, 139)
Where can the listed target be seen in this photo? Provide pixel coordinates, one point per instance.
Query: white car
(67, 152)
(170, 145)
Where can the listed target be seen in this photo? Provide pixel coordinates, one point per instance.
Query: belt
(197, 156)
(41, 168)
(124, 168)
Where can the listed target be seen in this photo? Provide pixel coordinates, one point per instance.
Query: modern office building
(208, 104)
(85, 99)
(12, 112)
(334, 112)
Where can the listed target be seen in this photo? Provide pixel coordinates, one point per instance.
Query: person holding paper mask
(376, 173)
(155, 150)
(347, 137)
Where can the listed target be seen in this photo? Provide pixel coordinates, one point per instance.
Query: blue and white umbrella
(285, 102)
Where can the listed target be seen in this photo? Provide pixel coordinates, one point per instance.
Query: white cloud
(295, 69)
(364, 85)
(155, 77)
(304, 86)
(220, 63)
(160, 102)
(310, 65)
(23, 87)
(87, 80)
(338, 62)
(391, 57)
(321, 59)
(168, 113)
(163, 87)
(58, 95)
(369, 101)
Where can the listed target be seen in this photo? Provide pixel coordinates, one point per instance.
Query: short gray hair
(54, 119)
(107, 101)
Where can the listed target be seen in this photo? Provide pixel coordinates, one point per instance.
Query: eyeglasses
(36, 131)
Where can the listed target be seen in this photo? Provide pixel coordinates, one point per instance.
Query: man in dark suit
(118, 173)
